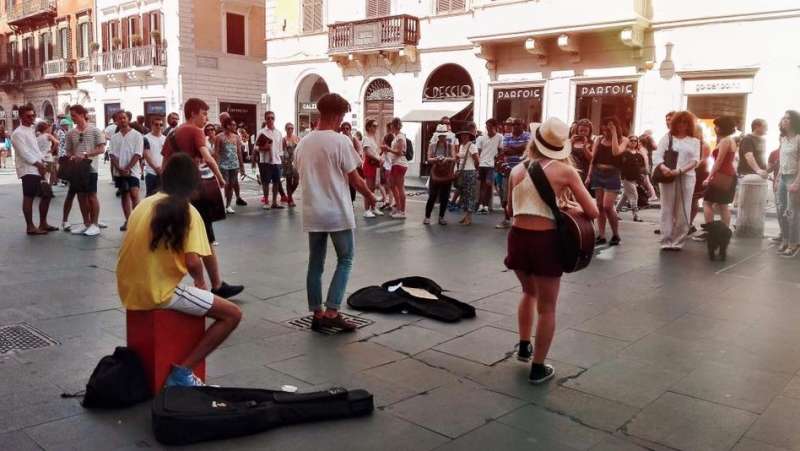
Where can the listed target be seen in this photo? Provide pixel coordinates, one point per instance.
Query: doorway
(379, 105)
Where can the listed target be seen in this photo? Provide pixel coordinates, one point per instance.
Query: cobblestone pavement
(653, 351)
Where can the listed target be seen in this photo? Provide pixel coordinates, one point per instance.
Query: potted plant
(136, 40)
(116, 43)
(156, 37)
(94, 47)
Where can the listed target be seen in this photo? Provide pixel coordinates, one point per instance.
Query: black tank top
(604, 155)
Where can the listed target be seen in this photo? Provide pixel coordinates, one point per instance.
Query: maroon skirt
(534, 252)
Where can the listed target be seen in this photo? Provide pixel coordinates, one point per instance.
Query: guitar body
(578, 238)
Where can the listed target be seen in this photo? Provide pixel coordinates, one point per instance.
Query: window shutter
(89, 37)
(68, 48)
(104, 38)
(80, 42)
(146, 29)
(308, 20)
(378, 8)
(458, 5)
(124, 25)
(42, 48)
(317, 15)
(135, 27)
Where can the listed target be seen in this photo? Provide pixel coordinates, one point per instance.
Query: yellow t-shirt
(146, 279)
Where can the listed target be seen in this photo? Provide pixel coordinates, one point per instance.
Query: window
(134, 32)
(234, 33)
(28, 55)
(378, 8)
(84, 39)
(151, 23)
(45, 47)
(64, 43)
(11, 53)
(312, 16)
(450, 6)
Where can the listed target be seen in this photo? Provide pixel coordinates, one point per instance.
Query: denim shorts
(606, 179)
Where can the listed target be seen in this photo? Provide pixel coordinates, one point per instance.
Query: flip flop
(50, 229)
(36, 232)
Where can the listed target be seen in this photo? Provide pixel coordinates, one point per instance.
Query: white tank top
(527, 201)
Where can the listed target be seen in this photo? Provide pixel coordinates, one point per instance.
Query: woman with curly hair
(788, 199)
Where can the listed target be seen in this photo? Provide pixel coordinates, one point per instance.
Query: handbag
(575, 230)
(670, 161)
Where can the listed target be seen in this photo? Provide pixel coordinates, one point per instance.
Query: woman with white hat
(441, 159)
(533, 250)
(468, 162)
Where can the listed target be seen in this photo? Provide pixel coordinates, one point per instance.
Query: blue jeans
(343, 242)
(788, 211)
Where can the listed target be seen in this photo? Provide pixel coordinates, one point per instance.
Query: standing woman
(676, 196)
(397, 175)
(347, 130)
(290, 142)
(468, 162)
(441, 157)
(582, 147)
(231, 164)
(720, 186)
(634, 166)
(605, 178)
(372, 162)
(701, 174)
(211, 140)
(788, 199)
(533, 250)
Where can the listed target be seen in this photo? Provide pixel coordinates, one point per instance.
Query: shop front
(154, 110)
(519, 102)
(712, 98)
(598, 101)
(311, 89)
(109, 109)
(243, 114)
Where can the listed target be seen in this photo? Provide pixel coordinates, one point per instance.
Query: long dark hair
(171, 220)
(794, 122)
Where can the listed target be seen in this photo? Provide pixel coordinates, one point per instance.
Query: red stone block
(161, 338)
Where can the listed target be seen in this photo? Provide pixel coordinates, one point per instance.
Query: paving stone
(462, 327)
(695, 327)
(414, 375)
(498, 436)
(244, 356)
(583, 349)
(746, 388)
(792, 390)
(487, 345)
(622, 324)
(618, 444)
(504, 303)
(454, 410)
(686, 423)
(633, 382)
(777, 426)
(747, 444)
(590, 410)
(553, 427)
(18, 441)
(410, 339)
(322, 366)
(258, 377)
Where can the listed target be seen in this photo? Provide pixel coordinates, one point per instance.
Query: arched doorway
(379, 104)
(48, 113)
(311, 89)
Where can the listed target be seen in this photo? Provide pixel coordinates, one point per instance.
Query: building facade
(143, 56)
(476, 59)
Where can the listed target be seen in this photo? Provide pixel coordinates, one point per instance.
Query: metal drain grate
(22, 337)
(304, 323)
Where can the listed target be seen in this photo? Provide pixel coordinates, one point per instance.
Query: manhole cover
(305, 323)
(21, 337)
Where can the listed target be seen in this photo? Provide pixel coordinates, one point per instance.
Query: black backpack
(409, 150)
(118, 381)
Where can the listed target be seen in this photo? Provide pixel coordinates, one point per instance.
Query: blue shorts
(270, 173)
(606, 179)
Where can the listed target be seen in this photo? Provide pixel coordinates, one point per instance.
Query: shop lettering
(308, 106)
(516, 94)
(606, 90)
(449, 92)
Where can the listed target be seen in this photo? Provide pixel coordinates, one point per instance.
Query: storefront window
(598, 101)
(708, 108)
(311, 89)
(521, 103)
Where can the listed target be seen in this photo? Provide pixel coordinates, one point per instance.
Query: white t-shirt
(488, 148)
(323, 159)
(370, 148)
(399, 160)
(688, 149)
(44, 143)
(277, 145)
(26, 151)
(468, 165)
(124, 147)
(152, 148)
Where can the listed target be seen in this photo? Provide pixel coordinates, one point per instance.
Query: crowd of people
(192, 171)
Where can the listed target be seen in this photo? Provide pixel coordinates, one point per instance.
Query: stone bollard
(752, 207)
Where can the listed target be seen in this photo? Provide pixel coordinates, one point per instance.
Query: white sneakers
(93, 230)
(230, 210)
(369, 214)
(80, 229)
(377, 212)
(398, 215)
(65, 226)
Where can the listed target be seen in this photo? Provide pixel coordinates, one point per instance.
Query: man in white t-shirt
(489, 146)
(153, 143)
(127, 148)
(327, 164)
(269, 156)
(31, 169)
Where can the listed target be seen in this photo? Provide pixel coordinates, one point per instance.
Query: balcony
(85, 65)
(31, 11)
(30, 74)
(10, 78)
(382, 35)
(58, 68)
(132, 64)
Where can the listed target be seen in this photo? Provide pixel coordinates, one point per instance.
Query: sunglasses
(270, 118)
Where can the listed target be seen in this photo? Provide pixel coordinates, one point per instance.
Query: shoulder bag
(443, 172)
(575, 230)
(670, 161)
(462, 164)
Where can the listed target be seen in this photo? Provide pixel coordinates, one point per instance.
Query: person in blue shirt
(512, 154)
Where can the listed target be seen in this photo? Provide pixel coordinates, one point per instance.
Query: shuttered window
(64, 43)
(378, 8)
(84, 39)
(312, 16)
(28, 55)
(134, 31)
(450, 6)
(234, 33)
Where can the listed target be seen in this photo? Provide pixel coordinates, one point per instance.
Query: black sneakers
(615, 240)
(524, 351)
(228, 291)
(541, 372)
(241, 202)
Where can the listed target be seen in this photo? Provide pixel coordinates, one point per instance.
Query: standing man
(488, 146)
(327, 164)
(85, 143)
(752, 149)
(31, 169)
(513, 149)
(127, 148)
(153, 144)
(190, 139)
(270, 154)
(172, 123)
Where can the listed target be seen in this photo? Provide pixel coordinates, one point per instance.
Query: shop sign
(719, 86)
(607, 90)
(156, 108)
(530, 93)
(238, 109)
(308, 106)
(449, 92)
(448, 82)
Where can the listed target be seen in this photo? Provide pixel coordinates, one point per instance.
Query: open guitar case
(184, 415)
(381, 299)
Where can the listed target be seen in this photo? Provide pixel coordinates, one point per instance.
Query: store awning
(434, 111)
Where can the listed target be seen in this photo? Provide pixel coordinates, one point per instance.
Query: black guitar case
(184, 415)
(380, 299)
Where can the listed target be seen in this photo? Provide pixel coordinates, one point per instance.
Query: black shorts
(270, 173)
(88, 186)
(153, 183)
(125, 183)
(31, 185)
(534, 252)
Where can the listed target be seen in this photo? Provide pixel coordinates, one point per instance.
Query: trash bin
(752, 207)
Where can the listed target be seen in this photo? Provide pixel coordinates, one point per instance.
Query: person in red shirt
(190, 139)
